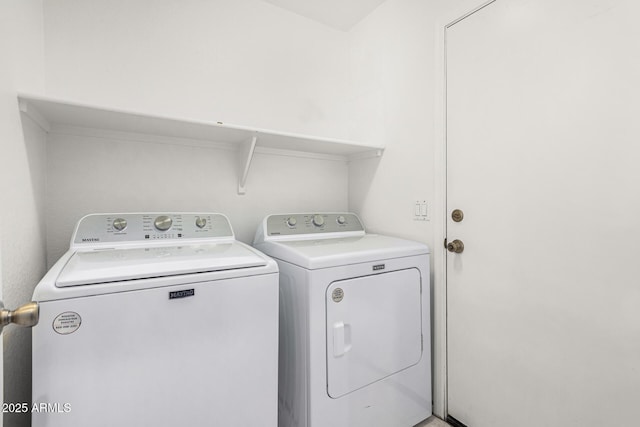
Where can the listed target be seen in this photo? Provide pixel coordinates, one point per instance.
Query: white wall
(235, 61)
(392, 62)
(91, 174)
(22, 182)
(394, 55)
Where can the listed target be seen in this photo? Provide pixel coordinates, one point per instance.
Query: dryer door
(373, 329)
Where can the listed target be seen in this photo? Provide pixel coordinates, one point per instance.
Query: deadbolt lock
(456, 246)
(457, 215)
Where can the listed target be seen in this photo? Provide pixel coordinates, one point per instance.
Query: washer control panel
(312, 223)
(134, 227)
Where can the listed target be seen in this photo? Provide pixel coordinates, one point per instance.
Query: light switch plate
(421, 210)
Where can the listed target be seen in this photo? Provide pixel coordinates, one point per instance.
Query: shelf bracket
(34, 114)
(246, 155)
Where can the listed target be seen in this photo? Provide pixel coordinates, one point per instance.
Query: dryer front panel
(374, 328)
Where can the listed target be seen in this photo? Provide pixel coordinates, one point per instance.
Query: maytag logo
(91, 239)
(378, 267)
(182, 294)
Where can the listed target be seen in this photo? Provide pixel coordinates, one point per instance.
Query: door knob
(456, 246)
(27, 315)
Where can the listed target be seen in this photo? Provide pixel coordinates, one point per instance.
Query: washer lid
(114, 265)
(323, 253)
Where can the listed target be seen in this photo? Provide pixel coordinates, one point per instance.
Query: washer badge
(67, 322)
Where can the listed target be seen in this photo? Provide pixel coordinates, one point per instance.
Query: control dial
(341, 220)
(318, 220)
(163, 223)
(292, 221)
(201, 222)
(119, 224)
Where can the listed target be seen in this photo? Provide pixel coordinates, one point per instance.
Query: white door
(543, 158)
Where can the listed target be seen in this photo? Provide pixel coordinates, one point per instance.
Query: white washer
(354, 323)
(155, 319)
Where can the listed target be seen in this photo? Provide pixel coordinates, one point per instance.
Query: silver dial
(318, 220)
(201, 222)
(119, 224)
(163, 223)
(292, 221)
(341, 219)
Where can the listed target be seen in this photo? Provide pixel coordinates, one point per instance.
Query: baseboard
(454, 422)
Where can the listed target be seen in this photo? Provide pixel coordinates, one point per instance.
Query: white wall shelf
(55, 115)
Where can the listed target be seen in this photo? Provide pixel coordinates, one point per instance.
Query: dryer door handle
(341, 339)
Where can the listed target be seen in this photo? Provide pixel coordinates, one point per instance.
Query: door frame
(440, 378)
(1, 339)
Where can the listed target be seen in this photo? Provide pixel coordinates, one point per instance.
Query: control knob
(201, 222)
(292, 221)
(318, 220)
(163, 223)
(119, 224)
(341, 220)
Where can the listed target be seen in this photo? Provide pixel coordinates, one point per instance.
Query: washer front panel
(190, 354)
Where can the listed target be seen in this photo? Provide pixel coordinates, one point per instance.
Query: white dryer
(156, 320)
(354, 323)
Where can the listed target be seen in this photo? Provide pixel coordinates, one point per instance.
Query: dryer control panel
(148, 227)
(312, 223)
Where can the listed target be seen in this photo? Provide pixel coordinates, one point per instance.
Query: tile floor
(433, 422)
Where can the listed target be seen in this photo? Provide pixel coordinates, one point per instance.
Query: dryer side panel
(293, 346)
